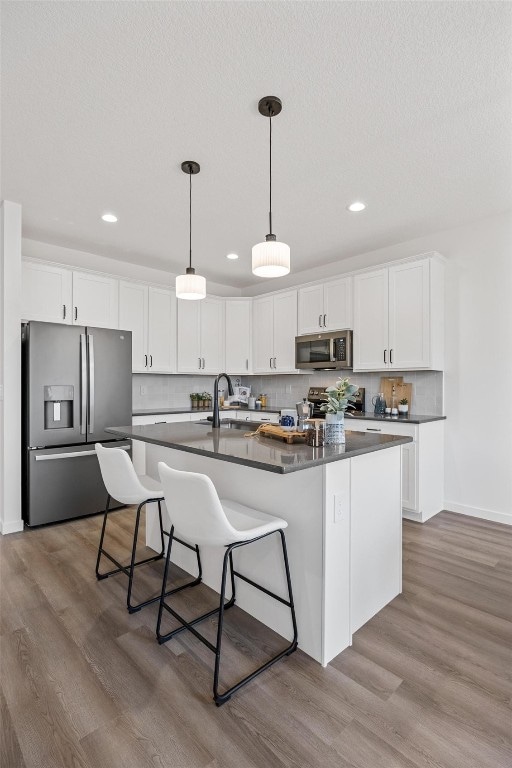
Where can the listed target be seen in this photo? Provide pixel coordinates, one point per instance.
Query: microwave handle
(332, 350)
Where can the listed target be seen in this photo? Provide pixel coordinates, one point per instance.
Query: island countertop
(259, 452)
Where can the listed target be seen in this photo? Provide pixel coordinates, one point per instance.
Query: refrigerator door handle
(83, 384)
(55, 456)
(90, 421)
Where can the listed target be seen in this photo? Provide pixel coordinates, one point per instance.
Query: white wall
(10, 368)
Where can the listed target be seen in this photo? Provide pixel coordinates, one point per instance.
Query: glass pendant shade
(190, 286)
(271, 259)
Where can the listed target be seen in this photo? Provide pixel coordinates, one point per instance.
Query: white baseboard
(485, 514)
(14, 526)
(408, 514)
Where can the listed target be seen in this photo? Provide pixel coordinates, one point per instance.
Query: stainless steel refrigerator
(76, 381)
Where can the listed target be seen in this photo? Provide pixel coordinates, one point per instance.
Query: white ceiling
(405, 105)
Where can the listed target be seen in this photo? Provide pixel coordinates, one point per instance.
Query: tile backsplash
(172, 391)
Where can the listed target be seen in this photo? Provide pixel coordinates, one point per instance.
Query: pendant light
(270, 258)
(190, 286)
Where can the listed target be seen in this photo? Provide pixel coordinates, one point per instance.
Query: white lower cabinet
(422, 463)
(272, 418)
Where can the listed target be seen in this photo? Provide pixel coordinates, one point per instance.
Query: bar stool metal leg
(130, 569)
(133, 564)
(185, 624)
(221, 698)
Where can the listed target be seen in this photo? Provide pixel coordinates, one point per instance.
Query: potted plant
(339, 398)
(194, 400)
(403, 405)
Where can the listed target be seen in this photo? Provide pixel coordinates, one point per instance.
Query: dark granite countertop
(412, 418)
(188, 409)
(259, 452)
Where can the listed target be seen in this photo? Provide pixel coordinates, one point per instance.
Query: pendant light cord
(190, 220)
(270, 173)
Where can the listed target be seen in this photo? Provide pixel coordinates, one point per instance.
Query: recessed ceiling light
(110, 217)
(232, 256)
(356, 207)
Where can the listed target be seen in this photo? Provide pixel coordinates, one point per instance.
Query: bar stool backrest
(119, 476)
(194, 507)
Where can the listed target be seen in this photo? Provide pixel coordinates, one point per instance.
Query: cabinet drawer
(382, 427)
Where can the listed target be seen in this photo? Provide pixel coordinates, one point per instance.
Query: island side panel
(297, 498)
(336, 601)
(375, 533)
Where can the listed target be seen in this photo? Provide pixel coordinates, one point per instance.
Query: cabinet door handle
(246, 363)
(373, 429)
(391, 357)
(199, 362)
(63, 311)
(325, 321)
(320, 321)
(204, 363)
(151, 361)
(270, 362)
(145, 361)
(385, 356)
(76, 313)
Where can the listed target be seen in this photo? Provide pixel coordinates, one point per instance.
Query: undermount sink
(232, 424)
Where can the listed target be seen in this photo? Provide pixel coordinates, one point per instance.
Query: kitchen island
(343, 508)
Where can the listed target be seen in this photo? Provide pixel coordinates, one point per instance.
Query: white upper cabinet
(150, 314)
(274, 331)
(95, 300)
(161, 330)
(212, 335)
(59, 295)
(326, 306)
(133, 316)
(238, 335)
(371, 320)
(201, 336)
(398, 317)
(46, 293)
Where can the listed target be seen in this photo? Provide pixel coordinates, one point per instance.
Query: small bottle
(263, 399)
(257, 405)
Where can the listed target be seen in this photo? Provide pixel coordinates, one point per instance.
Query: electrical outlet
(338, 508)
(143, 390)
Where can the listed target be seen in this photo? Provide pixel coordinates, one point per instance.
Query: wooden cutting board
(393, 386)
(277, 432)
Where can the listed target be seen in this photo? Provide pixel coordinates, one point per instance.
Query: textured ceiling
(406, 105)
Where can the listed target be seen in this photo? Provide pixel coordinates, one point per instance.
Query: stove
(317, 396)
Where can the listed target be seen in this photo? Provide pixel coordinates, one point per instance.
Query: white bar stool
(199, 515)
(123, 483)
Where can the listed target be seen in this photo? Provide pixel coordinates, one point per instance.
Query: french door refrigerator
(75, 382)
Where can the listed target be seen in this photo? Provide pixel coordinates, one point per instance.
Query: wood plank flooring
(426, 684)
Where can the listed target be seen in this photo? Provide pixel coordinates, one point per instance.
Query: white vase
(335, 428)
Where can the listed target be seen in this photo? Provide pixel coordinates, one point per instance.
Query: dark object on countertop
(216, 417)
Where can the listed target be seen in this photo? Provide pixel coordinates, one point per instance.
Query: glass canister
(315, 432)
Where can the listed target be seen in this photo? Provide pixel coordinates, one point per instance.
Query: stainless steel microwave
(324, 351)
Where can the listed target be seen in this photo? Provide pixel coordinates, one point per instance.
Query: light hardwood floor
(426, 684)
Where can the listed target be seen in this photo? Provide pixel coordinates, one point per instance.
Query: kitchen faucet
(216, 417)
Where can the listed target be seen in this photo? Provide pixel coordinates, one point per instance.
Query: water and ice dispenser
(58, 406)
